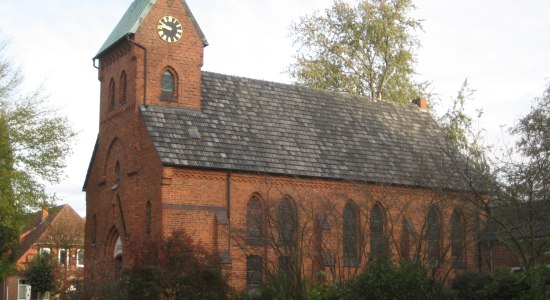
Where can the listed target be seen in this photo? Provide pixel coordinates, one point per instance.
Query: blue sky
(500, 46)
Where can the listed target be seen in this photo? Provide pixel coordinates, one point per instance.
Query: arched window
(112, 94)
(433, 235)
(405, 240)
(148, 217)
(322, 256)
(94, 230)
(287, 223)
(378, 243)
(254, 274)
(351, 234)
(254, 222)
(117, 172)
(168, 88)
(457, 235)
(123, 87)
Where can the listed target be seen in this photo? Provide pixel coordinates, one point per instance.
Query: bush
(468, 286)
(383, 280)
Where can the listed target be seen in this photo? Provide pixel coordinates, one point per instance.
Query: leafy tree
(367, 50)
(34, 141)
(42, 273)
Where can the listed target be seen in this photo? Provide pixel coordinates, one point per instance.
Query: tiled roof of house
(36, 231)
(523, 220)
(132, 19)
(263, 127)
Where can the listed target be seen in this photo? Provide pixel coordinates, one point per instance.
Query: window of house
(112, 94)
(433, 235)
(378, 243)
(254, 275)
(123, 87)
(457, 235)
(351, 234)
(168, 86)
(254, 222)
(45, 250)
(148, 217)
(287, 223)
(23, 290)
(63, 257)
(80, 258)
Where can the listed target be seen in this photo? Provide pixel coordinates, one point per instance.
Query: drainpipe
(144, 68)
(229, 211)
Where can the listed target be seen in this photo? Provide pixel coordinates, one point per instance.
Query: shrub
(382, 280)
(468, 286)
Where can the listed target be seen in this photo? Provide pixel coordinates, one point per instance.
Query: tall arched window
(123, 87)
(351, 234)
(405, 240)
(433, 235)
(254, 222)
(378, 243)
(320, 228)
(254, 274)
(148, 217)
(94, 230)
(287, 223)
(457, 235)
(168, 88)
(112, 94)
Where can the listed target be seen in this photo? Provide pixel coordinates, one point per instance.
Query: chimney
(421, 103)
(44, 214)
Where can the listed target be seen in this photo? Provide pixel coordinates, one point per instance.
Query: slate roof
(271, 128)
(131, 20)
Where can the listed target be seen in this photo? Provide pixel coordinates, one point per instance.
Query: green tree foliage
(34, 141)
(42, 273)
(532, 175)
(366, 49)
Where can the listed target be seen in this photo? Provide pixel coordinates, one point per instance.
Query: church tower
(153, 57)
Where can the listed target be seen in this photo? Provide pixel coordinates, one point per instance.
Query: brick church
(265, 175)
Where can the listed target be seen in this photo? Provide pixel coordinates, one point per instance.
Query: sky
(501, 46)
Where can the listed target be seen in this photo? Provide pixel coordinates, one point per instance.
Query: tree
(517, 179)
(177, 268)
(367, 50)
(42, 273)
(34, 141)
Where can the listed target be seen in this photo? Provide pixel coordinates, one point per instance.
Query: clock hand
(162, 25)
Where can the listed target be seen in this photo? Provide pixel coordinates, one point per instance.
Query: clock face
(169, 29)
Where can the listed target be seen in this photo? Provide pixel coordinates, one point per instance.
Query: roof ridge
(340, 96)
